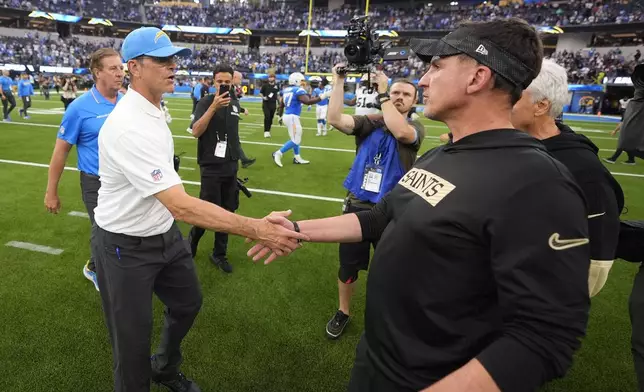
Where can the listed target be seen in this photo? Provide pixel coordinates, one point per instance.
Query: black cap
(463, 41)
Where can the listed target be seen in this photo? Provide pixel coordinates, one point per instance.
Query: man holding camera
(387, 147)
(216, 125)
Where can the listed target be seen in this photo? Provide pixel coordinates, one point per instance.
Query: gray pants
(636, 310)
(89, 191)
(129, 270)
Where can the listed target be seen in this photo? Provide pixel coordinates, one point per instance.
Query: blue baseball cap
(150, 41)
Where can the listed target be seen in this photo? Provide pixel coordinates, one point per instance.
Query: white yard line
(265, 191)
(79, 214)
(34, 247)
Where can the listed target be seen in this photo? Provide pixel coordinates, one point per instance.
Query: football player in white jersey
(366, 100)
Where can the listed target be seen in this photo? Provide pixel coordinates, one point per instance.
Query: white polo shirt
(135, 161)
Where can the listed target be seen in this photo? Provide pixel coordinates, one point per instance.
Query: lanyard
(381, 148)
(225, 137)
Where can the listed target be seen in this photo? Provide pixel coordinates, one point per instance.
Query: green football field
(261, 328)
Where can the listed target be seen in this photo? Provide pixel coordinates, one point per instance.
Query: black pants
(26, 104)
(242, 154)
(366, 378)
(220, 190)
(67, 101)
(89, 191)
(269, 112)
(129, 270)
(195, 101)
(8, 104)
(45, 92)
(636, 311)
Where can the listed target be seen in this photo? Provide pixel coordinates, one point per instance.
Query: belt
(89, 174)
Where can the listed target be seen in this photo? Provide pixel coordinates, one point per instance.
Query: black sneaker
(173, 382)
(608, 160)
(248, 163)
(335, 326)
(178, 383)
(222, 262)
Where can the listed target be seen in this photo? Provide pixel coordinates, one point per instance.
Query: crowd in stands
(584, 67)
(228, 14)
(590, 66)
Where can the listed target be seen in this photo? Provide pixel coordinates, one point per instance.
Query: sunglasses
(158, 60)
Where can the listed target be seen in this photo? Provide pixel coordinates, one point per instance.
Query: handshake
(276, 236)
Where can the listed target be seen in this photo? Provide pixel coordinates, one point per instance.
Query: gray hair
(551, 84)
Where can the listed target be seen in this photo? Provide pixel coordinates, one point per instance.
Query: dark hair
(406, 81)
(96, 59)
(519, 39)
(223, 68)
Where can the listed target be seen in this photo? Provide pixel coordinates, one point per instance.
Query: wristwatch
(382, 98)
(296, 227)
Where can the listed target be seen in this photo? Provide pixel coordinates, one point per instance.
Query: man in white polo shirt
(138, 247)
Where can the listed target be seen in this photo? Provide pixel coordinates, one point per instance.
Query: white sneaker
(277, 158)
(299, 161)
(189, 130)
(192, 117)
(323, 133)
(267, 134)
(318, 134)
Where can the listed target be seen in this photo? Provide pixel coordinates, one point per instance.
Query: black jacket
(271, 92)
(604, 195)
(482, 254)
(631, 136)
(224, 126)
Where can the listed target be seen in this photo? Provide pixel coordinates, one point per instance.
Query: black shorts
(355, 256)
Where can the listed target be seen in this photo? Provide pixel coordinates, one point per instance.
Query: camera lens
(351, 50)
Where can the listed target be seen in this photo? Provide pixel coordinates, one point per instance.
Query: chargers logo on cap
(159, 35)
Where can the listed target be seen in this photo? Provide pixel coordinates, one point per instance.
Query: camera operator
(387, 147)
(479, 281)
(269, 93)
(536, 113)
(216, 125)
(69, 91)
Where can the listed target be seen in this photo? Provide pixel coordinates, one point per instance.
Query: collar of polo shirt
(144, 104)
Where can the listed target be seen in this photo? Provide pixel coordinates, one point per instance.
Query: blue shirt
(81, 123)
(25, 88)
(319, 91)
(197, 91)
(292, 103)
(6, 83)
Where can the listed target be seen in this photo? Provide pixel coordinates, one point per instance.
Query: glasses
(165, 61)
